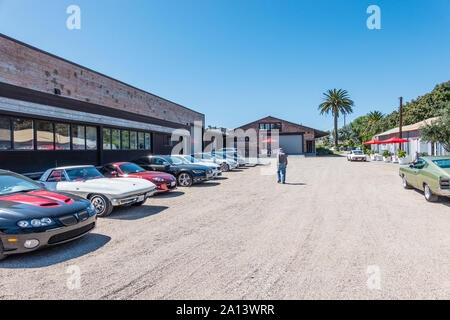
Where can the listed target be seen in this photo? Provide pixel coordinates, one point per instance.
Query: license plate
(173, 183)
(140, 198)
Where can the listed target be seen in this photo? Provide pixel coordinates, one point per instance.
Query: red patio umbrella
(269, 140)
(395, 140)
(373, 141)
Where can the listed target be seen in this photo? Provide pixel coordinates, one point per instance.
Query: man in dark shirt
(281, 166)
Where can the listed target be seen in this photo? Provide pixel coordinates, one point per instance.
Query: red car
(164, 182)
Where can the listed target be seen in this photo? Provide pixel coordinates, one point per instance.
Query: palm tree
(374, 116)
(336, 102)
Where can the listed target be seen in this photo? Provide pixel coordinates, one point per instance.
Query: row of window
(270, 126)
(116, 139)
(27, 134)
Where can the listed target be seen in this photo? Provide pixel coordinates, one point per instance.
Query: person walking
(282, 163)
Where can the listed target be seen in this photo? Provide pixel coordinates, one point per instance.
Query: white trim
(34, 109)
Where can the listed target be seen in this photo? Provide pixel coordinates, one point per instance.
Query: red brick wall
(23, 66)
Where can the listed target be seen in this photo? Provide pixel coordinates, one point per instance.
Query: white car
(235, 154)
(356, 155)
(104, 193)
(225, 164)
(191, 160)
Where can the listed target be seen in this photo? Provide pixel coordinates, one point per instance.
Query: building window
(115, 136)
(62, 136)
(106, 139)
(44, 135)
(141, 141)
(148, 145)
(261, 126)
(125, 139)
(23, 134)
(91, 138)
(133, 140)
(78, 137)
(5, 134)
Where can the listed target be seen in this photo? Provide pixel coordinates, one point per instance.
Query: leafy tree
(439, 130)
(336, 102)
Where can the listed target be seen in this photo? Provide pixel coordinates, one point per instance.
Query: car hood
(191, 167)
(39, 204)
(108, 185)
(152, 174)
(211, 165)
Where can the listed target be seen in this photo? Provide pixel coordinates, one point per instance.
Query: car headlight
(158, 179)
(23, 224)
(35, 223)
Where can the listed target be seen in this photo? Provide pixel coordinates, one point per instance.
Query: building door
(310, 146)
(292, 144)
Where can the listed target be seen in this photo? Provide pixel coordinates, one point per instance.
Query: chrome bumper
(133, 199)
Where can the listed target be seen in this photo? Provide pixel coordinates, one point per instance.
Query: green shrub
(401, 153)
(386, 154)
(323, 151)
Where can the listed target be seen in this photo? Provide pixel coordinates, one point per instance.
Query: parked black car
(186, 174)
(32, 217)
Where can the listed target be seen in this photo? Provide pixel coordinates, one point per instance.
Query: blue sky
(237, 61)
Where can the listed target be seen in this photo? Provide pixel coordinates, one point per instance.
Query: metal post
(400, 120)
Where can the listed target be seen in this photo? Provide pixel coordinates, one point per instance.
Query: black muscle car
(186, 174)
(32, 217)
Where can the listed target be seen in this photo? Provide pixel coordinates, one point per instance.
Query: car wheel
(226, 167)
(2, 255)
(429, 196)
(184, 179)
(101, 204)
(405, 183)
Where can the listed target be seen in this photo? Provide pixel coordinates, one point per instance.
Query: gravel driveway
(336, 230)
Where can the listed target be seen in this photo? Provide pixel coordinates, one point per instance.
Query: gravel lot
(247, 237)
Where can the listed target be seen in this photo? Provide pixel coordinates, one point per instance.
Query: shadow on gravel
(442, 200)
(205, 184)
(221, 178)
(134, 213)
(295, 183)
(57, 254)
(171, 194)
(236, 170)
(332, 156)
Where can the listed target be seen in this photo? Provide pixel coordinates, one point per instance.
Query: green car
(430, 174)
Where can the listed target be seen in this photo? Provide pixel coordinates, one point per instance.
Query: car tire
(2, 255)
(184, 179)
(101, 204)
(405, 183)
(429, 196)
(226, 167)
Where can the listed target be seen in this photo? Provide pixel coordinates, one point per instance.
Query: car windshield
(128, 168)
(357, 152)
(12, 184)
(173, 160)
(442, 163)
(85, 173)
(182, 158)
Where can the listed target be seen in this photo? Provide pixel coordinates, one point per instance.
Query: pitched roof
(317, 133)
(412, 127)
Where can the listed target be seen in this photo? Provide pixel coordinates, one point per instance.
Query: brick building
(54, 112)
(293, 138)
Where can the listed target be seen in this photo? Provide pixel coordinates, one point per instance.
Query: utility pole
(400, 120)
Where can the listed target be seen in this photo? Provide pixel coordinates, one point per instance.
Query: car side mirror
(411, 166)
(114, 173)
